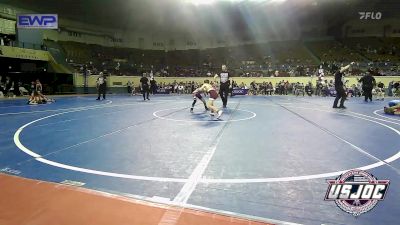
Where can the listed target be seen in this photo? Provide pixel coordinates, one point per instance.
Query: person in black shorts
(101, 86)
(144, 86)
(339, 86)
(368, 83)
(224, 83)
(153, 86)
(198, 96)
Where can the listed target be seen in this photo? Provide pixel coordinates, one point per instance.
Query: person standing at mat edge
(144, 86)
(339, 86)
(224, 84)
(101, 86)
(368, 83)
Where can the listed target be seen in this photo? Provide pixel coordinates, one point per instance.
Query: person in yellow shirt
(208, 88)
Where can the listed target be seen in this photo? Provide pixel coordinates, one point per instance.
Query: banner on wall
(239, 91)
(163, 91)
(37, 21)
(22, 53)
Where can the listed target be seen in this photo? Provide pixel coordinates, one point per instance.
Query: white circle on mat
(253, 114)
(202, 180)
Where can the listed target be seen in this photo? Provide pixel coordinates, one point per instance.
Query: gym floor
(267, 158)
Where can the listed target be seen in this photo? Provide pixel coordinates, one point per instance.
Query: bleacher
(334, 51)
(284, 56)
(374, 48)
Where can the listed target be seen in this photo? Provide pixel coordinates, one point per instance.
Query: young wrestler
(34, 99)
(198, 96)
(208, 88)
(394, 108)
(37, 96)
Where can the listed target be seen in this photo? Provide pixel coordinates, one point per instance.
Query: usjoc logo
(356, 191)
(370, 15)
(41, 21)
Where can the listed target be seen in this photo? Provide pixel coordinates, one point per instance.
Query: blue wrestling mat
(267, 157)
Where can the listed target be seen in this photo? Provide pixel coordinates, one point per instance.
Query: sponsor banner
(163, 91)
(37, 21)
(239, 91)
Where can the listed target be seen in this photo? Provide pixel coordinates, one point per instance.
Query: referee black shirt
(338, 79)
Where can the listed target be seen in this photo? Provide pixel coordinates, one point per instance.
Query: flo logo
(370, 15)
(356, 191)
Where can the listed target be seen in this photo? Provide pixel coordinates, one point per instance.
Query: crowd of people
(320, 87)
(11, 88)
(386, 68)
(8, 87)
(279, 63)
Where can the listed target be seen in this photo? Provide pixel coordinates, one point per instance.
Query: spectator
(2, 87)
(368, 83)
(129, 85)
(153, 86)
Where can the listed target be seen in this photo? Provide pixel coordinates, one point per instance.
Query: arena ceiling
(200, 15)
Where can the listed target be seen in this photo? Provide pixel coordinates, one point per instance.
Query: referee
(224, 85)
(339, 86)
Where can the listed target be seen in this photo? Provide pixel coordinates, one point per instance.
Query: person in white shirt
(321, 72)
(181, 89)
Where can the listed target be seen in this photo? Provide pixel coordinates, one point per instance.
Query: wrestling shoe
(191, 110)
(219, 114)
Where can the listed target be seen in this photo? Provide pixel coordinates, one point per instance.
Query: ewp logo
(370, 15)
(41, 21)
